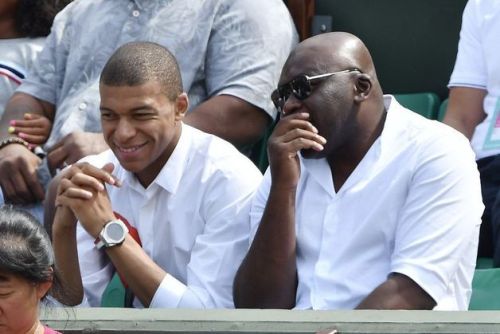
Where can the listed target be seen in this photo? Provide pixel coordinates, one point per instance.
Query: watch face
(115, 232)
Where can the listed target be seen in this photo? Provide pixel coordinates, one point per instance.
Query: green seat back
(114, 294)
(442, 110)
(485, 290)
(259, 153)
(425, 104)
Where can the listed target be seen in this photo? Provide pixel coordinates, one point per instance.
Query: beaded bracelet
(13, 140)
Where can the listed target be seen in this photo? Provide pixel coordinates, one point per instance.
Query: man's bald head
(136, 63)
(334, 51)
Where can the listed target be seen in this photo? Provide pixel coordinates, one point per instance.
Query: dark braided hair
(34, 17)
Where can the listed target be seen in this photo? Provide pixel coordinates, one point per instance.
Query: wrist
(112, 234)
(13, 140)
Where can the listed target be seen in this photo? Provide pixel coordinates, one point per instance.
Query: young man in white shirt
(365, 204)
(182, 193)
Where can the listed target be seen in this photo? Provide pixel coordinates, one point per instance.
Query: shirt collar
(393, 126)
(171, 174)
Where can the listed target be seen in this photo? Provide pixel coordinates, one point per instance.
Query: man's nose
(124, 130)
(291, 105)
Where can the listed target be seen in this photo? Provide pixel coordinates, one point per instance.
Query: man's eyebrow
(143, 107)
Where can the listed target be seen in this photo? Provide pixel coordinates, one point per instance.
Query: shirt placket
(135, 22)
(331, 222)
(146, 219)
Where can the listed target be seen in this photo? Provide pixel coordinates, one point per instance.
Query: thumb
(109, 167)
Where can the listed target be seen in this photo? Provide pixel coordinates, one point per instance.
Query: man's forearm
(267, 277)
(398, 292)
(20, 104)
(70, 289)
(230, 118)
(465, 109)
(139, 270)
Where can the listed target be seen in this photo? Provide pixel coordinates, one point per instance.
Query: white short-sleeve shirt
(412, 206)
(478, 66)
(192, 221)
(16, 58)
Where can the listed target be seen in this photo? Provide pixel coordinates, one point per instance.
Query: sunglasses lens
(301, 87)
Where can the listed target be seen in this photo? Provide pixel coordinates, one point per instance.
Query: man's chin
(131, 166)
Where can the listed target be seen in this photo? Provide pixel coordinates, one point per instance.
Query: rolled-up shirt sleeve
(437, 236)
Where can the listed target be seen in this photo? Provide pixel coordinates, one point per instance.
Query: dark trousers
(489, 237)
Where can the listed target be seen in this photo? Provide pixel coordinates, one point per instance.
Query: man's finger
(86, 181)
(301, 133)
(31, 180)
(57, 157)
(23, 194)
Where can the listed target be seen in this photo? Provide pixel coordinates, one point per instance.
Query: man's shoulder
(419, 129)
(217, 153)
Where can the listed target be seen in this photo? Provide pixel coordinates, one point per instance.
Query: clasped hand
(82, 190)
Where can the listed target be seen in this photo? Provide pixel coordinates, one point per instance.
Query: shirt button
(136, 13)
(82, 106)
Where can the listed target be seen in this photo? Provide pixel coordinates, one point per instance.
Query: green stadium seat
(114, 294)
(485, 290)
(259, 153)
(484, 263)
(442, 110)
(425, 104)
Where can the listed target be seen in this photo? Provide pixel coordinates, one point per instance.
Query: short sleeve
(470, 68)
(438, 228)
(248, 46)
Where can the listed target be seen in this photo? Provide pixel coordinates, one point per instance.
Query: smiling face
(142, 126)
(19, 299)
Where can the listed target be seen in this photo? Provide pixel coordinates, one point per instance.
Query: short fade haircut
(136, 63)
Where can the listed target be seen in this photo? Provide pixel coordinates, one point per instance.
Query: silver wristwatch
(112, 234)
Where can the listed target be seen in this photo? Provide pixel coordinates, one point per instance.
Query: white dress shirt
(192, 221)
(412, 206)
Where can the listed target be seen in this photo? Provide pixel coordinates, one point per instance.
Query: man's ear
(363, 87)
(182, 104)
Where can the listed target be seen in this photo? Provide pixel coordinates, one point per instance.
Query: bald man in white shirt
(365, 204)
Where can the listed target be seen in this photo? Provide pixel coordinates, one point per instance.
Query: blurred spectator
(474, 108)
(230, 53)
(26, 272)
(23, 27)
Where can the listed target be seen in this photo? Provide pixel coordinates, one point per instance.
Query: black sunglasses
(300, 87)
